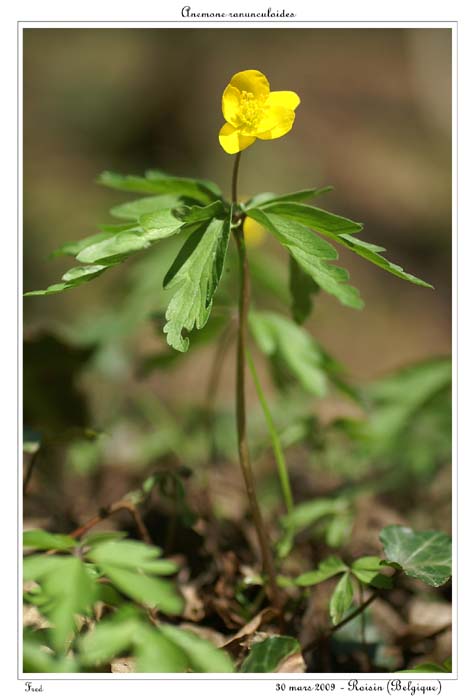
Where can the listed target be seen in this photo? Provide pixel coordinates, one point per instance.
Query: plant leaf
(157, 182)
(327, 569)
(302, 287)
(203, 656)
(131, 555)
(339, 229)
(312, 253)
(40, 539)
(368, 571)
(194, 278)
(145, 589)
(422, 555)
(291, 348)
(132, 211)
(341, 599)
(160, 224)
(270, 198)
(114, 249)
(307, 513)
(265, 656)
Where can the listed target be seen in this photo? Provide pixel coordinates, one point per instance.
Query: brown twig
(107, 512)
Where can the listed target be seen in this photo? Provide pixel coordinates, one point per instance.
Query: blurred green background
(375, 122)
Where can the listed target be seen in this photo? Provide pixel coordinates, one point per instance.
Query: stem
(234, 179)
(110, 510)
(243, 451)
(273, 433)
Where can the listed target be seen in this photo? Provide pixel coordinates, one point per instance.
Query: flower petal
(273, 117)
(284, 98)
(281, 127)
(251, 81)
(230, 104)
(232, 141)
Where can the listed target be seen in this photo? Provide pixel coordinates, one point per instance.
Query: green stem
(243, 450)
(275, 441)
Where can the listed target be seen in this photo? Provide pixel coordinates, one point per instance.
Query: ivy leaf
(368, 571)
(40, 539)
(327, 569)
(339, 229)
(266, 656)
(302, 287)
(290, 347)
(194, 278)
(341, 599)
(422, 555)
(312, 253)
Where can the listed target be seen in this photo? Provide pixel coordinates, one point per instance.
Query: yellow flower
(253, 112)
(254, 233)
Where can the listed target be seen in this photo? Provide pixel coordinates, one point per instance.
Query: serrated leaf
(157, 182)
(194, 278)
(160, 224)
(265, 656)
(114, 249)
(40, 539)
(147, 205)
(312, 253)
(302, 287)
(144, 589)
(327, 569)
(422, 555)
(75, 247)
(132, 555)
(67, 589)
(270, 198)
(194, 214)
(203, 656)
(291, 347)
(340, 230)
(341, 599)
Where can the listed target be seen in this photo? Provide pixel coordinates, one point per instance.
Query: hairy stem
(243, 450)
(275, 441)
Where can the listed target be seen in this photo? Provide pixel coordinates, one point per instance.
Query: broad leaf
(40, 539)
(194, 278)
(339, 229)
(341, 599)
(327, 569)
(422, 555)
(266, 656)
(312, 253)
(291, 349)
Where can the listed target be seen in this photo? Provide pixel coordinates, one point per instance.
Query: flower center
(251, 110)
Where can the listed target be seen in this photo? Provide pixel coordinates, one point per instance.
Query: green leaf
(144, 589)
(368, 571)
(341, 599)
(270, 198)
(302, 287)
(157, 182)
(319, 219)
(191, 215)
(428, 667)
(83, 274)
(290, 348)
(203, 656)
(194, 278)
(36, 659)
(265, 656)
(68, 589)
(422, 555)
(327, 569)
(109, 638)
(160, 224)
(339, 229)
(40, 539)
(140, 207)
(75, 247)
(308, 513)
(312, 253)
(131, 554)
(114, 249)
(157, 654)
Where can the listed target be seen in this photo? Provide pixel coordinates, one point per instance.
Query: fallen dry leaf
(292, 664)
(124, 665)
